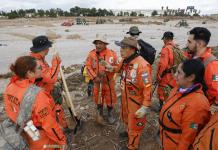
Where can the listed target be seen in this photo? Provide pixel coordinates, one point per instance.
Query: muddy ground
(93, 136)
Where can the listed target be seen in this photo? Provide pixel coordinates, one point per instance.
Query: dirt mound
(72, 68)
(6, 75)
(154, 22)
(52, 35)
(74, 37)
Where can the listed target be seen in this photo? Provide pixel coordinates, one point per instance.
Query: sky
(206, 7)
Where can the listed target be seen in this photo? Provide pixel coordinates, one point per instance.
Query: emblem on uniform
(111, 60)
(132, 92)
(182, 106)
(135, 66)
(139, 124)
(145, 77)
(215, 77)
(193, 126)
(133, 73)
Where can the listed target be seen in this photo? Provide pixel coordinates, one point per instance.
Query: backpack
(147, 51)
(178, 57)
(10, 131)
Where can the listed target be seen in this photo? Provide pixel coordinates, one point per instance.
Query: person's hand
(141, 112)
(109, 68)
(213, 108)
(103, 62)
(57, 58)
(107, 65)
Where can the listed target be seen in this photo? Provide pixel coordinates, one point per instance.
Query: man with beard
(198, 40)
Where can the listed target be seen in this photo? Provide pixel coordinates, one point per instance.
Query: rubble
(182, 23)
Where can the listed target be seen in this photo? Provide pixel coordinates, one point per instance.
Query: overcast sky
(206, 6)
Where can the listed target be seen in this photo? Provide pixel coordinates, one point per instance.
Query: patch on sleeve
(111, 60)
(193, 126)
(215, 77)
(145, 77)
(135, 66)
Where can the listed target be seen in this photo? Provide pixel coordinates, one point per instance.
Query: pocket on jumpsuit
(136, 124)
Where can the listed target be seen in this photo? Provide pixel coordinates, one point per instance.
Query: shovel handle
(53, 146)
(100, 93)
(68, 97)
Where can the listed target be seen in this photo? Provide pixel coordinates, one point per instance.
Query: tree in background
(154, 13)
(41, 13)
(133, 13)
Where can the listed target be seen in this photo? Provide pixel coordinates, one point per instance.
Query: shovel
(69, 101)
(99, 117)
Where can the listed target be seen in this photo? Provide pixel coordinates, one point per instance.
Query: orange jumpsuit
(182, 116)
(136, 92)
(93, 68)
(207, 138)
(166, 62)
(211, 77)
(42, 116)
(48, 80)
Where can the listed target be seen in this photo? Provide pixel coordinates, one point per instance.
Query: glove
(141, 112)
(213, 108)
(107, 65)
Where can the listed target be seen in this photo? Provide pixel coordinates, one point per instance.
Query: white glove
(213, 108)
(141, 112)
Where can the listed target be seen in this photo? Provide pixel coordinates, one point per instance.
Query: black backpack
(147, 51)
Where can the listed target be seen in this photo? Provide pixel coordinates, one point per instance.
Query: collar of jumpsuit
(206, 54)
(103, 52)
(37, 56)
(189, 89)
(169, 43)
(22, 82)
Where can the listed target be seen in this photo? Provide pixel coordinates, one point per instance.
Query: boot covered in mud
(99, 115)
(100, 109)
(123, 135)
(110, 116)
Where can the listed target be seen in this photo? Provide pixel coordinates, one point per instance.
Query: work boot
(123, 135)
(100, 109)
(124, 148)
(110, 117)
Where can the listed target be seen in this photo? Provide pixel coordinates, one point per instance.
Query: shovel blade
(99, 118)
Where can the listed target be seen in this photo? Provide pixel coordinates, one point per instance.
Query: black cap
(168, 34)
(133, 30)
(40, 43)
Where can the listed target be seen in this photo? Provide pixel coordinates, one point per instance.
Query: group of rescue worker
(187, 91)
